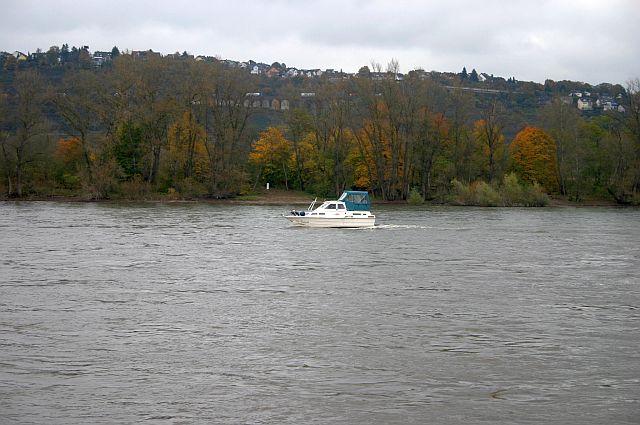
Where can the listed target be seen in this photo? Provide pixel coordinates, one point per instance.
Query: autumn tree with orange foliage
(533, 153)
(68, 151)
(69, 156)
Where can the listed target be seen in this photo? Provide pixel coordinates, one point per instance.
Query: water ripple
(193, 313)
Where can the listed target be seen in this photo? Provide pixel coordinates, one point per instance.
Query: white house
(585, 104)
(19, 56)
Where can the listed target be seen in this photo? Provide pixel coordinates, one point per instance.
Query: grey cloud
(585, 40)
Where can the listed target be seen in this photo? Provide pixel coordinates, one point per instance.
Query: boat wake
(400, 226)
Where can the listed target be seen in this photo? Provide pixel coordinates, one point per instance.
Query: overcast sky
(584, 40)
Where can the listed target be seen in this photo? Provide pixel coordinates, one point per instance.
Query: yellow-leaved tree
(533, 154)
(271, 154)
(305, 159)
(186, 152)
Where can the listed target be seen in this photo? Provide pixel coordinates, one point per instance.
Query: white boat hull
(347, 222)
(351, 210)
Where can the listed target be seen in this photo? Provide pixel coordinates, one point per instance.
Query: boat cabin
(333, 205)
(355, 200)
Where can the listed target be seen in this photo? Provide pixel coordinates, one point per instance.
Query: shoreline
(291, 197)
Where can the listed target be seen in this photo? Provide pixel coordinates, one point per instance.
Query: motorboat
(352, 209)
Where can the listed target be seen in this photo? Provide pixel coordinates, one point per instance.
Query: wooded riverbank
(174, 128)
(284, 197)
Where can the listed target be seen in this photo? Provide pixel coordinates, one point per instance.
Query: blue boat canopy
(356, 200)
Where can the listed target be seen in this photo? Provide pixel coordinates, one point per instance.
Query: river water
(223, 314)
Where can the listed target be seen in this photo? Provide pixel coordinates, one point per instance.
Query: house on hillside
(19, 56)
(272, 72)
(585, 104)
(292, 72)
(255, 68)
(144, 54)
(231, 63)
(100, 58)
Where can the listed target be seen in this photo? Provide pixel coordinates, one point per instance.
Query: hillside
(134, 123)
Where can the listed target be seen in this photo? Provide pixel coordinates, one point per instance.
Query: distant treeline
(153, 126)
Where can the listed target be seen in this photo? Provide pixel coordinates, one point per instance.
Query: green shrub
(511, 193)
(70, 181)
(102, 181)
(535, 196)
(459, 193)
(485, 195)
(135, 189)
(190, 188)
(415, 198)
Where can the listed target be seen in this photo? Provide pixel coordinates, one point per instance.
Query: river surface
(223, 314)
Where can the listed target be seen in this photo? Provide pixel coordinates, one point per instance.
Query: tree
(364, 72)
(463, 74)
(128, 149)
(371, 133)
(226, 119)
(86, 103)
(53, 56)
(460, 151)
(84, 58)
(489, 137)
(300, 124)
(620, 155)
(331, 114)
(474, 76)
(562, 123)
(271, 154)
(592, 165)
(632, 124)
(65, 55)
(307, 157)
(433, 136)
(186, 152)
(146, 95)
(68, 154)
(77, 106)
(27, 119)
(534, 158)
